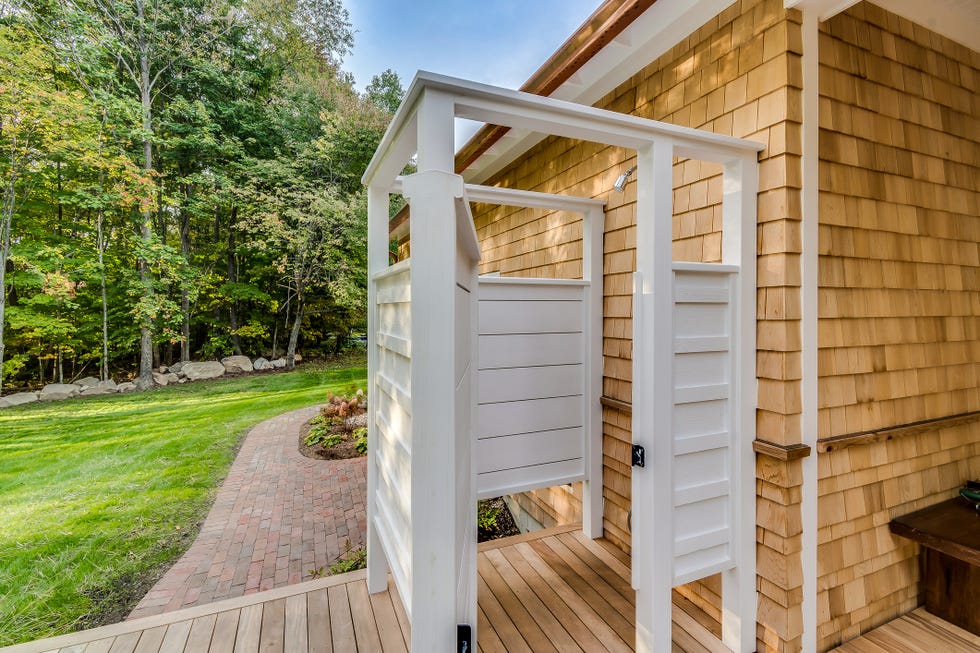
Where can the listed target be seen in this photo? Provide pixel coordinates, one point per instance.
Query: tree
(385, 91)
(36, 122)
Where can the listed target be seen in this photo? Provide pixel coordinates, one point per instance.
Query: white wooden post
(377, 563)
(739, 600)
(593, 227)
(434, 494)
(652, 495)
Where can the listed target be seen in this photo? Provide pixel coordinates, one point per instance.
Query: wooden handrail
(837, 442)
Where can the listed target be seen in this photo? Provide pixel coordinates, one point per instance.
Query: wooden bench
(950, 533)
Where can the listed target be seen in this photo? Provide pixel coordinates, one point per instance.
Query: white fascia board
(824, 9)
(526, 199)
(652, 34)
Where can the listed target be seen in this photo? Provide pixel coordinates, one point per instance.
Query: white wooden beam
(436, 131)
(377, 562)
(593, 228)
(523, 198)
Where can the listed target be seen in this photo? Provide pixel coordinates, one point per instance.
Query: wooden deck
(915, 632)
(547, 591)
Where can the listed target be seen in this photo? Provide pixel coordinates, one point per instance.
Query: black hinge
(464, 639)
(639, 456)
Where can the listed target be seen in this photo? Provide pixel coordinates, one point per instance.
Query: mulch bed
(343, 450)
(505, 522)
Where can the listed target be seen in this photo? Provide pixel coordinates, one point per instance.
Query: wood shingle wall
(740, 75)
(899, 299)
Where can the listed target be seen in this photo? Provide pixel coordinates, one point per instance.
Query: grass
(99, 496)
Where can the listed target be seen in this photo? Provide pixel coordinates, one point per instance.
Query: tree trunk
(297, 322)
(105, 303)
(145, 378)
(185, 301)
(236, 342)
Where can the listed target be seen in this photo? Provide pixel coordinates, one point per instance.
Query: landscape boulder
(171, 377)
(87, 382)
(261, 364)
(163, 369)
(17, 399)
(175, 368)
(297, 358)
(237, 364)
(278, 363)
(128, 386)
(101, 388)
(160, 378)
(59, 391)
(202, 371)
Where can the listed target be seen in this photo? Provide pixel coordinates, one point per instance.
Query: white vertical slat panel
(703, 379)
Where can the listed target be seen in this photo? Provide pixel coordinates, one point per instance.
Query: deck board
(555, 591)
(915, 632)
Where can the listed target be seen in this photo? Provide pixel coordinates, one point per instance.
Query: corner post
(378, 201)
(434, 496)
(739, 599)
(592, 235)
(653, 395)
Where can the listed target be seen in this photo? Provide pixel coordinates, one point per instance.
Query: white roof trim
(654, 32)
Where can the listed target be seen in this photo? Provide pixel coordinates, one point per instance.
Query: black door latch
(639, 456)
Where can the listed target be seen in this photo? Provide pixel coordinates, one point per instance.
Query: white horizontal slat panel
(396, 344)
(395, 319)
(396, 551)
(530, 350)
(396, 391)
(393, 417)
(695, 443)
(706, 540)
(512, 481)
(530, 317)
(510, 289)
(395, 488)
(396, 367)
(699, 320)
(701, 467)
(393, 439)
(692, 519)
(691, 345)
(519, 383)
(705, 562)
(707, 368)
(701, 295)
(698, 393)
(700, 418)
(528, 416)
(524, 449)
(690, 494)
(702, 280)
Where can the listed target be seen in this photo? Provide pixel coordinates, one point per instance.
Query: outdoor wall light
(623, 179)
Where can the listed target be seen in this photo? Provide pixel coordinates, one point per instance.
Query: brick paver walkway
(277, 516)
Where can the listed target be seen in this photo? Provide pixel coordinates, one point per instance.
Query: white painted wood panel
(530, 350)
(395, 319)
(517, 288)
(528, 416)
(395, 366)
(526, 449)
(517, 383)
(703, 378)
(512, 481)
(497, 317)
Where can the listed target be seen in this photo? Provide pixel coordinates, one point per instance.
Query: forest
(179, 180)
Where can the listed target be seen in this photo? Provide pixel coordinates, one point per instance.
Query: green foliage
(486, 516)
(102, 494)
(247, 215)
(360, 437)
(351, 560)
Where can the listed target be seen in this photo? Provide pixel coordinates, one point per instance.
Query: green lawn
(99, 496)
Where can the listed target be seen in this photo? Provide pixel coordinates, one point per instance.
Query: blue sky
(498, 42)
